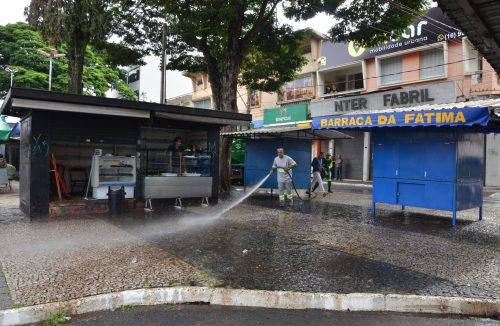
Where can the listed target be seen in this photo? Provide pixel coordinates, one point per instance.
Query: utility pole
(52, 55)
(11, 72)
(163, 62)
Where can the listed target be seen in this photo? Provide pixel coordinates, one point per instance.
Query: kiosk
(434, 159)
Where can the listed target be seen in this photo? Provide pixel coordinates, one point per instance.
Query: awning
(303, 132)
(443, 117)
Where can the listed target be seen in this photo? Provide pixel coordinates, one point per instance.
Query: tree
(242, 40)
(82, 23)
(19, 44)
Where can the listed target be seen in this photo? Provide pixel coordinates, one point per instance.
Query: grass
(128, 307)
(18, 305)
(56, 319)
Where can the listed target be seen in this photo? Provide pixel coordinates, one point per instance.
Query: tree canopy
(82, 23)
(18, 48)
(244, 41)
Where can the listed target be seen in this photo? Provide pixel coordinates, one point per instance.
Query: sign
(285, 114)
(405, 97)
(424, 31)
(443, 117)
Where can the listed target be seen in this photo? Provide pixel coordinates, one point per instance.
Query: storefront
(428, 156)
(357, 153)
(96, 143)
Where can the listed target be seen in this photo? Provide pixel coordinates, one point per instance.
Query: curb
(256, 298)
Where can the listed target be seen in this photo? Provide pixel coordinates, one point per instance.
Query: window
(472, 58)
(203, 104)
(342, 79)
(431, 63)
(199, 84)
(134, 76)
(299, 88)
(254, 97)
(391, 70)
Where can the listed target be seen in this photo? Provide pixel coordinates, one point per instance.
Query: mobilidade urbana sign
(431, 28)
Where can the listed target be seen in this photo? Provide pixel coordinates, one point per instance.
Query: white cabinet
(115, 172)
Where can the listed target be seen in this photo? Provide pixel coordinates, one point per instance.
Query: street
(218, 315)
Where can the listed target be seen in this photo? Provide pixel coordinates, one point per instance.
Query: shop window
(254, 97)
(162, 159)
(203, 104)
(391, 70)
(299, 88)
(432, 63)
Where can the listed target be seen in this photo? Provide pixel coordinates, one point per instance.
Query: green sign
(285, 114)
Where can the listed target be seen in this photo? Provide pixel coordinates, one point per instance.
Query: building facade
(300, 90)
(433, 63)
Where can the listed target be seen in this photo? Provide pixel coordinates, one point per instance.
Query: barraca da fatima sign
(404, 97)
(286, 114)
(430, 28)
(442, 117)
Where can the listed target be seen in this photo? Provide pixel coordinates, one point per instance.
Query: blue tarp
(16, 131)
(442, 117)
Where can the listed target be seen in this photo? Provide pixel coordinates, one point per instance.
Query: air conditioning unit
(477, 78)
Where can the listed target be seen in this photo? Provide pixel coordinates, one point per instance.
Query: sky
(12, 11)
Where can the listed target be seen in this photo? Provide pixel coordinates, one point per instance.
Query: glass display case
(170, 164)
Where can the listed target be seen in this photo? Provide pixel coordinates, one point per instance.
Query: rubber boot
(316, 185)
(330, 186)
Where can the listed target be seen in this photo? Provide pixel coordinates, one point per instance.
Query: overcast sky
(12, 11)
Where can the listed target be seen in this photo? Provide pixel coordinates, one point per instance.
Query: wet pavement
(220, 315)
(325, 245)
(251, 255)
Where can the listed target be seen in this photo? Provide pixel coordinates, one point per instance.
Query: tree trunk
(225, 97)
(76, 56)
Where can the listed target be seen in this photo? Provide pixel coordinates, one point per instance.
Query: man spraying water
(284, 164)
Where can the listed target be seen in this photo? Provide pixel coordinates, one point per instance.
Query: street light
(11, 72)
(52, 55)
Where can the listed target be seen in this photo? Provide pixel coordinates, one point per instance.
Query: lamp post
(11, 72)
(52, 55)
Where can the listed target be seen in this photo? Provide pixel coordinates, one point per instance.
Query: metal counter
(156, 187)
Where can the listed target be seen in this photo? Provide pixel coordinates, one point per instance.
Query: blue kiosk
(434, 158)
(261, 145)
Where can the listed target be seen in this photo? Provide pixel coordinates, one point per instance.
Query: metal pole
(163, 63)
(11, 79)
(50, 74)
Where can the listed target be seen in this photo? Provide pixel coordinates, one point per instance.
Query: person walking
(284, 164)
(318, 169)
(338, 167)
(328, 165)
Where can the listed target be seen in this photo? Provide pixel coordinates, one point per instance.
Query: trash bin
(116, 200)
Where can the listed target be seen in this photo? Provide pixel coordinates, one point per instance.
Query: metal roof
(492, 104)
(287, 132)
(20, 101)
(480, 21)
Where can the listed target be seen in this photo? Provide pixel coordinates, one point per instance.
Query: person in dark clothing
(174, 156)
(318, 170)
(338, 167)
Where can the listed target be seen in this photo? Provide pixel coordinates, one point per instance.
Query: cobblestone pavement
(47, 261)
(326, 245)
(330, 245)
